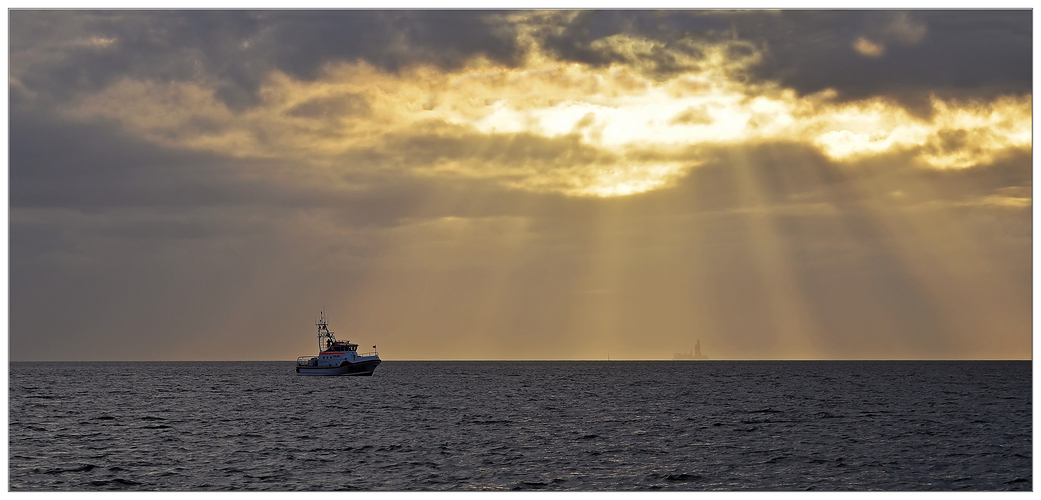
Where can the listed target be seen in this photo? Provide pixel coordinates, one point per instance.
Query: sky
(515, 184)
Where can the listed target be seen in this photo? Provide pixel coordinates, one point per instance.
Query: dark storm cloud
(64, 53)
(68, 52)
(304, 41)
(963, 53)
(960, 52)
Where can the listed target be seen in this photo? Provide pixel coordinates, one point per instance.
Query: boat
(695, 354)
(336, 357)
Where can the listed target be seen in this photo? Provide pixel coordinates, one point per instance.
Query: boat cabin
(340, 346)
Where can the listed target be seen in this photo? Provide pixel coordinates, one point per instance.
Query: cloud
(548, 126)
(698, 115)
(58, 52)
(808, 51)
(64, 53)
(905, 30)
(868, 48)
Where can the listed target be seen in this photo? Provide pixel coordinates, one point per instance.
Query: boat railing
(305, 360)
(366, 354)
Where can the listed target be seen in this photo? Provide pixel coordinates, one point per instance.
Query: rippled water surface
(705, 425)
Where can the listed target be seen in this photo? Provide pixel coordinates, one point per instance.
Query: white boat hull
(360, 368)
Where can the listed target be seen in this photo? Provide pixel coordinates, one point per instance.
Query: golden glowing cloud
(554, 126)
(868, 48)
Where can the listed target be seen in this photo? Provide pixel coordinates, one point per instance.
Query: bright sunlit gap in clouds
(614, 131)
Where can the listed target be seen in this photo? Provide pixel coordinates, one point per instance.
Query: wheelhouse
(340, 346)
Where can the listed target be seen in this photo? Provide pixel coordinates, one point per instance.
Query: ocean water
(602, 426)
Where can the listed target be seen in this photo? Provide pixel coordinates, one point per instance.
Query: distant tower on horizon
(695, 354)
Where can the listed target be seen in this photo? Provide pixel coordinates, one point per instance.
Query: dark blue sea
(601, 426)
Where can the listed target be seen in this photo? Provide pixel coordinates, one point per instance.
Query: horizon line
(508, 360)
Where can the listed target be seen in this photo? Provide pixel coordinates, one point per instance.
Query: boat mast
(325, 337)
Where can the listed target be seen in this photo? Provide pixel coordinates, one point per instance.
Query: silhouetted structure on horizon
(695, 354)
